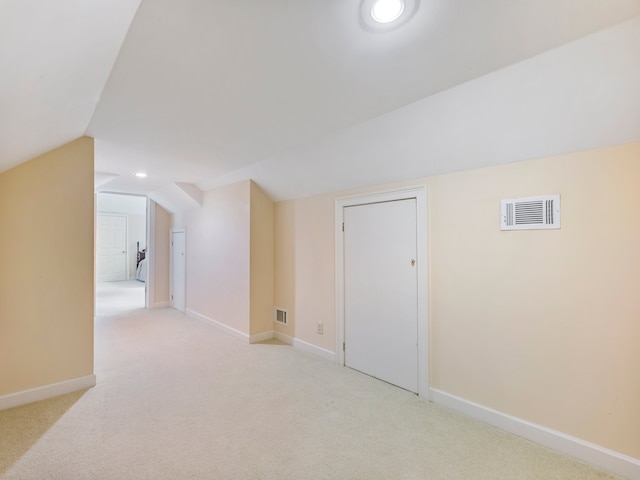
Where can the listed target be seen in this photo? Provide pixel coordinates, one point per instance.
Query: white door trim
(171, 267)
(420, 194)
(150, 281)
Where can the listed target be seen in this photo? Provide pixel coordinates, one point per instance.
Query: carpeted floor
(119, 297)
(177, 399)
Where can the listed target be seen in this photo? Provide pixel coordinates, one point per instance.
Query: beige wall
(230, 257)
(160, 257)
(542, 325)
(218, 256)
(305, 270)
(46, 269)
(261, 261)
(285, 264)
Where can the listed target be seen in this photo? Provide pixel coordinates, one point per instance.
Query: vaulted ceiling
(297, 95)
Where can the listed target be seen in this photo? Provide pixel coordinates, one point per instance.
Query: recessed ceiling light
(140, 174)
(382, 15)
(385, 11)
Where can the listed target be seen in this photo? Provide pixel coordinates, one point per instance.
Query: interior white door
(111, 248)
(178, 270)
(381, 291)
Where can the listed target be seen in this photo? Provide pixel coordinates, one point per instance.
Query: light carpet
(178, 399)
(119, 297)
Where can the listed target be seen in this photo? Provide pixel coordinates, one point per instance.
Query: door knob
(413, 262)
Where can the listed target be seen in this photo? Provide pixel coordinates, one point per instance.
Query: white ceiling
(55, 59)
(116, 203)
(296, 95)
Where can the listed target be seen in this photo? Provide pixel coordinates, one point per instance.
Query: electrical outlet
(319, 328)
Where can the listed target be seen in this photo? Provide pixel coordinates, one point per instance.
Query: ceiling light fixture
(385, 11)
(140, 174)
(383, 15)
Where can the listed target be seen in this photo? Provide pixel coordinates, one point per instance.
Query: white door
(381, 291)
(178, 270)
(111, 248)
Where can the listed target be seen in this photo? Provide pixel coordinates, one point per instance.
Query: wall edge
(219, 325)
(44, 392)
(584, 451)
(305, 346)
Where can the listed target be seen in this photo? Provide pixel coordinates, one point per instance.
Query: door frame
(150, 281)
(419, 193)
(171, 267)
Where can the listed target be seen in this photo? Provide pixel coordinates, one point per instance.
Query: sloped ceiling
(55, 59)
(296, 95)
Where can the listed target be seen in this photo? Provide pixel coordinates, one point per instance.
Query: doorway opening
(121, 248)
(381, 286)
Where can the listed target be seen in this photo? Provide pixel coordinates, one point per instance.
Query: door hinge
(343, 226)
(343, 347)
(171, 297)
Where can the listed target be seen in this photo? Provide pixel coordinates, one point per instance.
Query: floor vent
(280, 316)
(531, 213)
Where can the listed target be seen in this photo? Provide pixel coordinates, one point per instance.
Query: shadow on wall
(23, 426)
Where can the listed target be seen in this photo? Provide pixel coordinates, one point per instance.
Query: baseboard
(307, 347)
(268, 335)
(46, 391)
(580, 449)
(161, 304)
(283, 338)
(261, 337)
(220, 326)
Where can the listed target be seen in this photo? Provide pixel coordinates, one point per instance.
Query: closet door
(111, 248)
(381, 291)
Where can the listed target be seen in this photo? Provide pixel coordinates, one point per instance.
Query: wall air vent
(530, 213)
(280, 316)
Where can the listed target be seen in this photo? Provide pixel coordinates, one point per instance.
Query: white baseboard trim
(283, 337)
(161, 304)
(307, 347)
(261, 337)
(46, 391)
(268, 335)
(220, 326)
(580, 449)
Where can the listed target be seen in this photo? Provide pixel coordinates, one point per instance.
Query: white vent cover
(280, 316)
(531, 213)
